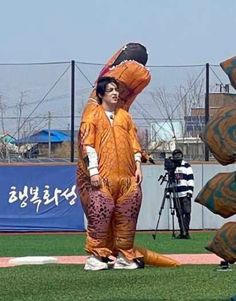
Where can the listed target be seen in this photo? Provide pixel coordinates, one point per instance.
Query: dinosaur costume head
(127, 66)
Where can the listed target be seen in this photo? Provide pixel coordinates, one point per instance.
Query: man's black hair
(177, 151)
(102, 83)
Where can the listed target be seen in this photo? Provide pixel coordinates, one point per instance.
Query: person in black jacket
(184, 189)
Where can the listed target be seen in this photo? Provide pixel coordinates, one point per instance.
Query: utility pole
(49, 134)
(72, 130)
(207, 108)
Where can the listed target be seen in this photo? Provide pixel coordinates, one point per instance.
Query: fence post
(49, 135)
(72, 129)
(207, 108)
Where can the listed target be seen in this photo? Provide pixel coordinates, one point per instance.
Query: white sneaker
(124, 263)
(93, 263)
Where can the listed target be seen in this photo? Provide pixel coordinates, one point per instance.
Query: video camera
(170, 164)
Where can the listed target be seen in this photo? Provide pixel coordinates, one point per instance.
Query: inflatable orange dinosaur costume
(219, 193)
(116, 163)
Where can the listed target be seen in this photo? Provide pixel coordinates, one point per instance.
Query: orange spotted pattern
(219, 194)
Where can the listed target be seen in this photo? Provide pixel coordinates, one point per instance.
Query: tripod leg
(180, 215)
(160, 211)
(179, 210)
(172, 217)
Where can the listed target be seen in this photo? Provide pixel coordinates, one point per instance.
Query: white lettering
(48, 196)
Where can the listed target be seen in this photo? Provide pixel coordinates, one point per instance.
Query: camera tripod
(171, 194)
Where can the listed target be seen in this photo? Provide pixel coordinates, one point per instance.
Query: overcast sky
(174, 31)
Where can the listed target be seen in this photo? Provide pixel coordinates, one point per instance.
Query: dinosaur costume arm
(87, 137)
(134, 137)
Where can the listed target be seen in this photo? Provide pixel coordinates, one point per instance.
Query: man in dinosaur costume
(109, 171)
(109, 183)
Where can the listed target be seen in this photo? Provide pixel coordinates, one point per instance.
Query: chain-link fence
(41, 106)
(171, 111)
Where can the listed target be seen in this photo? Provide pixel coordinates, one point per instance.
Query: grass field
(71, 282)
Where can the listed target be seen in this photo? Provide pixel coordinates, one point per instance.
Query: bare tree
(173, 108)
(19, 113)
(2, 113)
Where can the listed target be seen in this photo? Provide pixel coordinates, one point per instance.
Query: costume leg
(98, 206)
(126, 212)
(99, 212)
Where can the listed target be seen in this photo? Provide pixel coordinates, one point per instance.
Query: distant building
(195, 123)
(44, 138)
(166, 136)
(165, 130)
(192, 147)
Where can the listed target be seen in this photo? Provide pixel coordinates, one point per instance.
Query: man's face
(111, 96)
(177, 157)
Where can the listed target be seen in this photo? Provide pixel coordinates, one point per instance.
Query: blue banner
(39, 198)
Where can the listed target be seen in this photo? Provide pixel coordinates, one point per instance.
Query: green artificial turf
(73, 244)
(72, 283)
